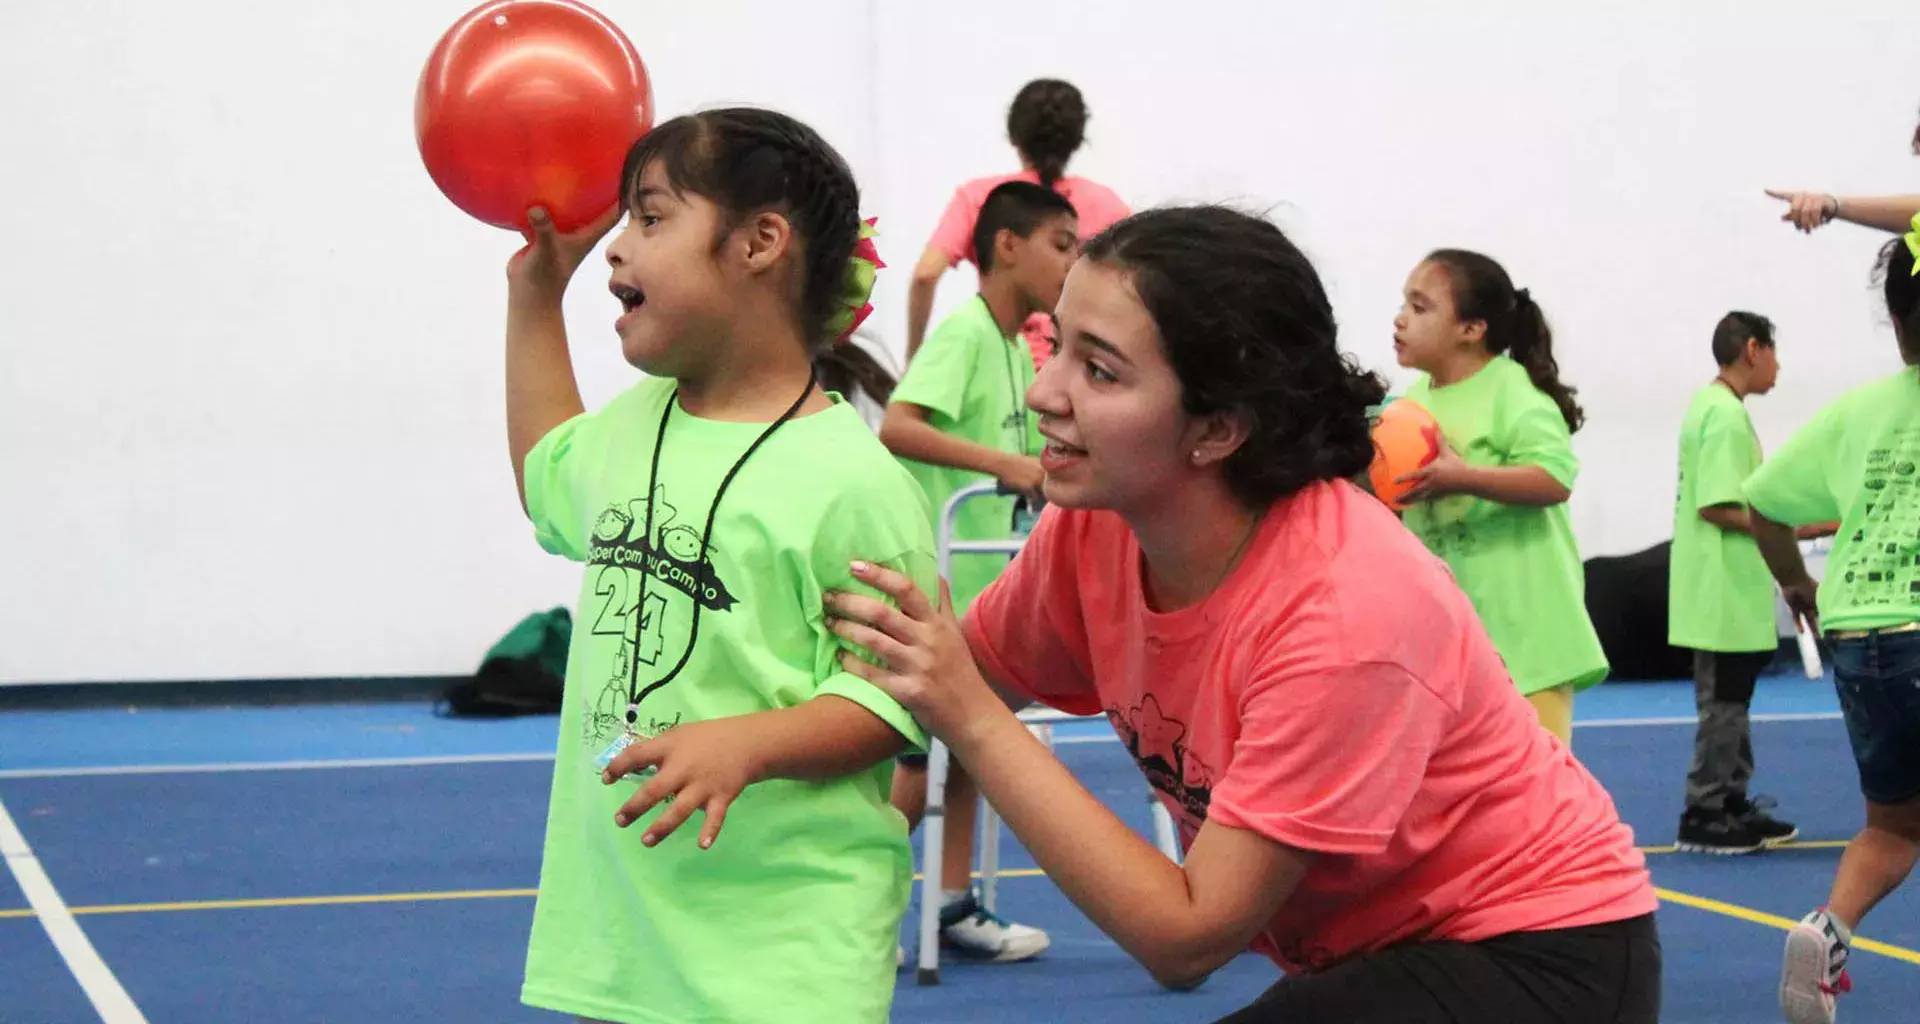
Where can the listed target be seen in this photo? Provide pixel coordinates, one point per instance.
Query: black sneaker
(1722, 833)
(1771, 830)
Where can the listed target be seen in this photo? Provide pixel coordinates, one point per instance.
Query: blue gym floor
(373, 863)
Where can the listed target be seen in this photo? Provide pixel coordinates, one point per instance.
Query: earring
(1196, 456)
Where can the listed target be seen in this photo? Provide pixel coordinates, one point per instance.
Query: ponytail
(850, 369)
(1516, 326)
(1530, 342)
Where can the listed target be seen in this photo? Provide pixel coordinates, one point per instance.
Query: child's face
(667, 278)
(1109, 401)
(1765, 362)
(1041, 260)
(1428, 329)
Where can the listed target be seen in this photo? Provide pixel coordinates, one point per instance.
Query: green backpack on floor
(522, 674)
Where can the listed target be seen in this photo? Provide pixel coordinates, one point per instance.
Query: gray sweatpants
(1723, 740)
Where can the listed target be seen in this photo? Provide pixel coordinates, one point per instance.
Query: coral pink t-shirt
(1096, 207)
(1337, 694)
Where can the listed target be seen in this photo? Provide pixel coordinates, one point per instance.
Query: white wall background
(250, 394)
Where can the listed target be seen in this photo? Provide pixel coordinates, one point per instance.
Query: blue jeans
(1878, 679)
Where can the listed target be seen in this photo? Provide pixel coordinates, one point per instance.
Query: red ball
(531, 103)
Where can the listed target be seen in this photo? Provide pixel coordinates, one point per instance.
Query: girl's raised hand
(540, 270)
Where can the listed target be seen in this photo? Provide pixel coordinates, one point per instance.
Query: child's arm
(541, 392)
(1530, 486)
(926, 278)
(1731, 518)
(703, 766)
(1809, 210)
(824, 738)
(908, 435)
(1449, 474)
(1782, 554)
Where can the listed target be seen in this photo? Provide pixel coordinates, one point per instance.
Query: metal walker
(1039, 721)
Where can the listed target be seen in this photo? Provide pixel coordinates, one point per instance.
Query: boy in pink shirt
(1361, 792)
(1047, 123)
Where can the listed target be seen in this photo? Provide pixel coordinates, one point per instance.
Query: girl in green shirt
(1856, 461)
(1493, 504)
(713, 504)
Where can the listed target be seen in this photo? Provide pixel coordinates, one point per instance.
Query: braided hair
(1901, 289)
(1047, 123)
(747, 160)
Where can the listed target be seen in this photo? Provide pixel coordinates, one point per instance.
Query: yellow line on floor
(348, 899)
(1752, 916)
(1813, 844)
(1696, 902)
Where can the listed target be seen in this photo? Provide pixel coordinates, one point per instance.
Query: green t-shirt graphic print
(1857, 462)
(793, 914)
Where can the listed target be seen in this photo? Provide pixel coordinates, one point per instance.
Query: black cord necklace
(634, 693)
(1019, 400)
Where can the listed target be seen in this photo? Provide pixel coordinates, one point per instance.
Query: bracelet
(1836, 207)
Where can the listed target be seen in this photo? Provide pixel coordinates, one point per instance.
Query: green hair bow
(1913, 246)
(856, 286)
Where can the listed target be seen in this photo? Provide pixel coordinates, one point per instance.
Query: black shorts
(1602, 974)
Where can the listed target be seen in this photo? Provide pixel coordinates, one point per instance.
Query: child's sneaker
(1720, 833)
(1814, 969)
(970, 930)
(1772, 831)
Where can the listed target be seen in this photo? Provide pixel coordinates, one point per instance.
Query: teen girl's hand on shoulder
(924, 660)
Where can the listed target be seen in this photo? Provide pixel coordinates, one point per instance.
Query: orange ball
(1405, 438)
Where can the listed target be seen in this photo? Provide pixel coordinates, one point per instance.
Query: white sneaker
(1813, 970)
(970, 930)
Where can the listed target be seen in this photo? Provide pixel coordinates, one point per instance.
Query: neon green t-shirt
(1720, 596)
(1857, 462)
(794, 912)
(1520, 566)
(973, 381)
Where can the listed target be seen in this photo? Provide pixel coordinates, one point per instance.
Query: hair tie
(1521, 297)
(856, 285)
(1913, 246)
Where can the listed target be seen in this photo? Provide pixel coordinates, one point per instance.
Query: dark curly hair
(1247, 326)
(1047, 123)
(1516, 325)
(1901, 289)
(747, 160)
